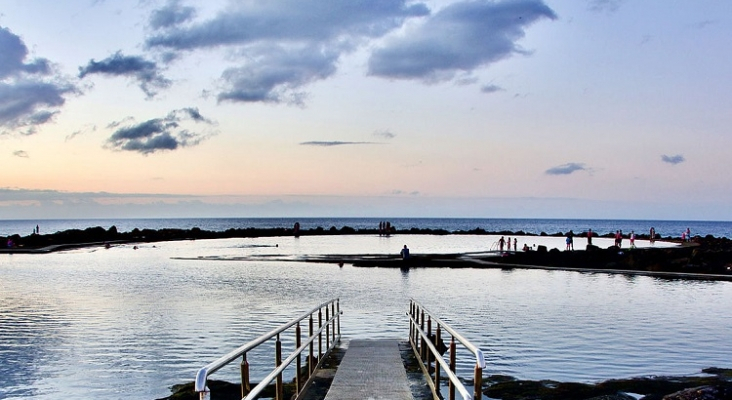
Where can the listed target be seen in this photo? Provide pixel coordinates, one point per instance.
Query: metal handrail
(426, 349)
(333, 336)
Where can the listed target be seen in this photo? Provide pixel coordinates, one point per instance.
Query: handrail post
(311, 360)
(478, 377)
(298, 373)
(411, 324)
(327, 327)
(320, 334)
(452, 366)
(429, 336)
(421, 326)
(278, 362)
(438, 339)
(338, 308)
(244, 367)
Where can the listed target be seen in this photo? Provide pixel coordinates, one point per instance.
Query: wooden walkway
(371, 369)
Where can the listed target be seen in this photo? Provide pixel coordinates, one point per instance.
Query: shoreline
(702, 258)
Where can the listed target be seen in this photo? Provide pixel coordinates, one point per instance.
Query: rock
(717, 392)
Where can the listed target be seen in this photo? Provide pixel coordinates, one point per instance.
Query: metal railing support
(276, 375)
(298, 364)
(453, 363)
(311, 360)
(327, 328)
(278, 362)
(438, 339)
(244, 367)
(429, 348)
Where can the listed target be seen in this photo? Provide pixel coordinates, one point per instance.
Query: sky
(610, 109)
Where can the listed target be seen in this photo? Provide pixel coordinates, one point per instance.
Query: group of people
(386, 228)
(502, 242)
(686, 235)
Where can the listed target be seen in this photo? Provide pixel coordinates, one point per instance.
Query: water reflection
(130, 323)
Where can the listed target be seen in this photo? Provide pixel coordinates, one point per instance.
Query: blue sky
(521, 108)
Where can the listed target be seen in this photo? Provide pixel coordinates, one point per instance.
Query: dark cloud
(25, 104)
(158, 134)
(604, 5)
(144, 71)
(30, 94)
(566, 169)
(459, 38)
(291, 21)
(282, 45)
(333, 143)
(21, 153)
(171, 14)
(491, 89)
(276, 72)
(677, 159)
(14, 53)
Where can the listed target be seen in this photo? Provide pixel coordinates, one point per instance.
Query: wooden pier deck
(371, 369)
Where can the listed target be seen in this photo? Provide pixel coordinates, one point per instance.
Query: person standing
(632, 239)
(688, 235)
(589, 237)
(653, 235)
(515, 244)
(501, 243)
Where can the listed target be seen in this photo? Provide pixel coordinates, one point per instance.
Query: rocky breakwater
(702, 256)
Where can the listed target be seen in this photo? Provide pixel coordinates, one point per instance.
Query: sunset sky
(448, 108)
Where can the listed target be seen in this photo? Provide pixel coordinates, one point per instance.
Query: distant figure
(653, 235)
(38, 230)
(501, 243)
(620, 238)
(570, 240)
(589, 237)
(508, 244)
(296, 229)
(683, 236)
(387, 228)
(688, 234)
(515, 243)
(405, 253)
(526, 247)
(632, 239)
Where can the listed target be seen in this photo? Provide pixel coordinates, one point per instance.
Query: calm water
(123, 323)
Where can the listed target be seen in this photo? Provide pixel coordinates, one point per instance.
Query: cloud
(26, 104)
(21, 154)
(275, 72)
(159, 134)
(14, 53)
(604, 5)
(566, 169)
(459, 38)
(491, 89)
(677, 159)
(333, 143)
(280, 46)
(385, 134)
(171, 14)
(30, 94)
(145, 72)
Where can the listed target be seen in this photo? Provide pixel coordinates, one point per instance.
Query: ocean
(671, 229)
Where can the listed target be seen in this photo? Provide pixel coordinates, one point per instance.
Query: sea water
(529, 226)
(130, 323)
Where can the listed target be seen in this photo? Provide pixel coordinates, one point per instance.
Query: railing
(332, 328)
(424, 346)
